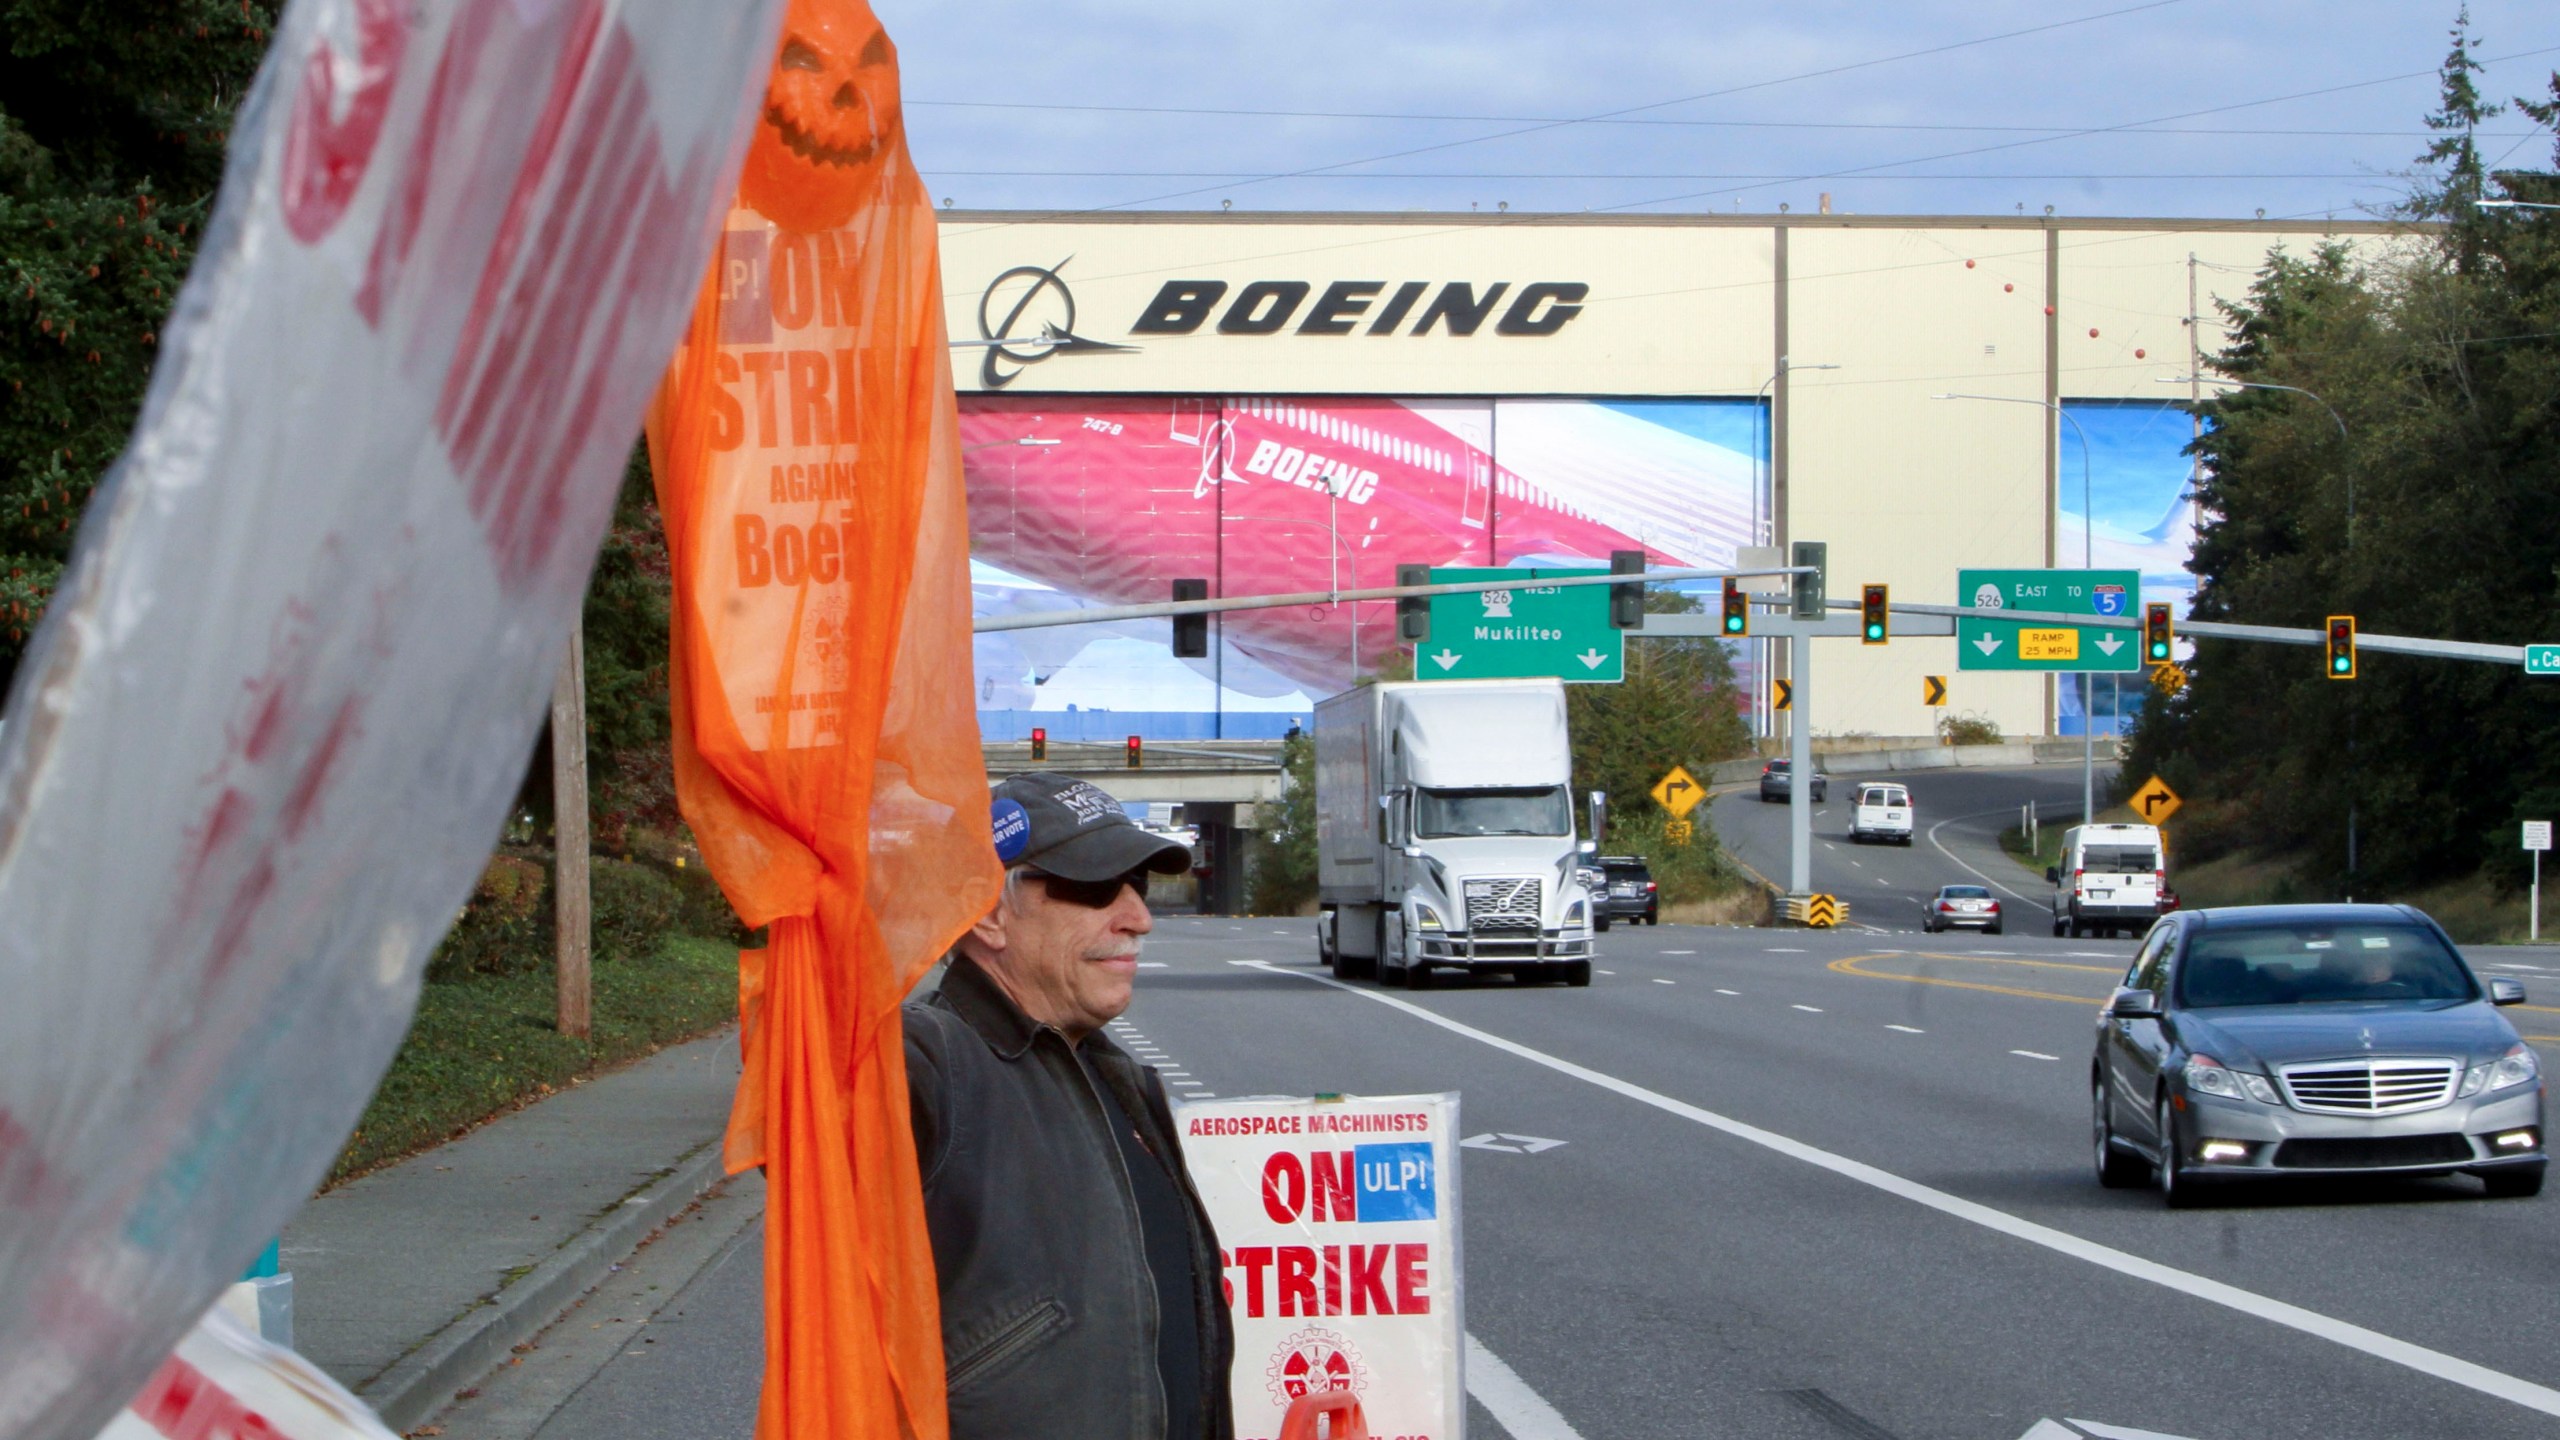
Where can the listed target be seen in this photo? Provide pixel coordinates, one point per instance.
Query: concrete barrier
(2006, 754)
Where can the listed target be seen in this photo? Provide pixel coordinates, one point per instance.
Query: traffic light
(1413, 612)
(2342, 647)
(1039, 743)
(1190, 632)
(1875, 621)
(1137, 760)
(2158, 640)
(1812, 597)
(1737, 609)
(1626, 602)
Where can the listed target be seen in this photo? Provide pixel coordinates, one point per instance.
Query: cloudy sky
(2213, 108)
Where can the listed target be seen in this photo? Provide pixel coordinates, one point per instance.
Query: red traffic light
(1039, 743)
(1136, 758)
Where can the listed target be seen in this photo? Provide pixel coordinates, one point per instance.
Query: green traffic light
(2338, 663)
(1875, 632)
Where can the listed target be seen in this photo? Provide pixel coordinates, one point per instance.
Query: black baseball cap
(1074, 829)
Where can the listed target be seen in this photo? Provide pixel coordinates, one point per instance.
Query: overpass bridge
(1217, 785)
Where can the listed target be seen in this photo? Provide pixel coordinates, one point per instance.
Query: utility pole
(569, 864)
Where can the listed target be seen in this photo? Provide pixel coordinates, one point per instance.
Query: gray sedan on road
(2278, 1040)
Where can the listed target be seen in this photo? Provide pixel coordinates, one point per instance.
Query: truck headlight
(1577, 913)
(1426, 918)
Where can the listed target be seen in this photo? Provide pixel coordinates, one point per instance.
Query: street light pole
(1764, 521)
(2088, 551)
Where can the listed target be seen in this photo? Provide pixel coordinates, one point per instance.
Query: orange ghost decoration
(830, 113)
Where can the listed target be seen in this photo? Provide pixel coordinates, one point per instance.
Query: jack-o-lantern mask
(830, 116)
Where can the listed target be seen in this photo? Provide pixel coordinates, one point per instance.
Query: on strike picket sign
(262, 743)
(1338, 1219)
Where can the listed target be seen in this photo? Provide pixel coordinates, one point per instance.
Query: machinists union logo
(1312, 1361)
(1027, 315)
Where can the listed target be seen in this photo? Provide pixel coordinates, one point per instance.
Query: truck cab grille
(1500, 906)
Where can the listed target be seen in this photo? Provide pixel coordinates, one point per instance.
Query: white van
(2110, 880)
(1883, 813)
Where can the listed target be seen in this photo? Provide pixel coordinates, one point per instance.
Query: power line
(1586, 175)
(1659, 104)
(1422, 118)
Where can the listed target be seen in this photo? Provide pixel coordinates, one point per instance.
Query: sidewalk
(413, 1281)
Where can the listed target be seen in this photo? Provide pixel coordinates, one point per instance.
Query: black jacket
(1048, 1307)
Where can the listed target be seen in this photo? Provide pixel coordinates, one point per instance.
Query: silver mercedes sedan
(2301, 1040)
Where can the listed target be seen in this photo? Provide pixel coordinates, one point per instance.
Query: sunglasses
(1092, 894)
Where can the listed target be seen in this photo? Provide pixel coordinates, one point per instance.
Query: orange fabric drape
(805, 445)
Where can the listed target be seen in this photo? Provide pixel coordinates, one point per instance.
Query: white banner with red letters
(1338, 1219)
(224, 1383)
(274, 720)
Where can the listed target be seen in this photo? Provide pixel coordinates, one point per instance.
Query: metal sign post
(2537, 838)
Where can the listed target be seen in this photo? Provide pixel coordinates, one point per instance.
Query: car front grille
(1496, 906)
(2370, 1087)
(2375, 1153)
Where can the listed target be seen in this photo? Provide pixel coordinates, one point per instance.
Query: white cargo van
(1883, 813)
(2110, 880)
(1444, 833)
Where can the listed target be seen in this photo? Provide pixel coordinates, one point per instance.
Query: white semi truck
(1444, 832)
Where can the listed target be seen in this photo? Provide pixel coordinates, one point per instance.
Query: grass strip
(484, 1044)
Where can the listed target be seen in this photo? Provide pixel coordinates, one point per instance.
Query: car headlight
(1426, 918)
(2513, 1068)
(2208, 1076)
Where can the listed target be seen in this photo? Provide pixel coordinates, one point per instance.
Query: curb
(422, 1382)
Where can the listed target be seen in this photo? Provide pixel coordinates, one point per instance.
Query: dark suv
(1778, 776)
(1627, 893)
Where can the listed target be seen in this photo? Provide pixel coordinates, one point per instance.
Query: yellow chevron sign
(1821, 911)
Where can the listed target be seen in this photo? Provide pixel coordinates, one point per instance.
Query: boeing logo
(1265, 307)
(1034, 298)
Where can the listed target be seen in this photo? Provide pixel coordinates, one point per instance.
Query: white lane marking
(1728, 992)
(1151, 965)
(1605, 972)
(1907, 1029)
(1969, 870)
(2114, 1432)
(1658, 980)
(1188, 1084)
(2092, 955)
(1679, 952)
(1882, 881)
(1782, 950)
(1861, 864)
(2450, 1368)
(1519, 1410)
(1810, 1009)
(2035, 1054)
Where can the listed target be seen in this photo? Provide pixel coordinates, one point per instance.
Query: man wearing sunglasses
(1081, 1281)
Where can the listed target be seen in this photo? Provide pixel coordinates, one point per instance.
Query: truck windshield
(1442, 814)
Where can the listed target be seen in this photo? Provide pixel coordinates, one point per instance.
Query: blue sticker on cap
(1013, 830)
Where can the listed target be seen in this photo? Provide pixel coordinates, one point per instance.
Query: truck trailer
(1444, 833)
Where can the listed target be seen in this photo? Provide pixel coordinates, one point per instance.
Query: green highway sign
(1526, 631)
(2049, 646)
(2542, 659)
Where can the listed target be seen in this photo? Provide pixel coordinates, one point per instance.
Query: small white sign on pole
(2537, 838)
(1339, 1219)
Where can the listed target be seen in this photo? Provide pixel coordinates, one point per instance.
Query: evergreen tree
(112, 125)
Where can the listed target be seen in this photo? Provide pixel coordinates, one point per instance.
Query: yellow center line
(1850, 965)
(2015, 960)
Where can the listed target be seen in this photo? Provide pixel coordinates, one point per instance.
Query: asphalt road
(1958, 816)
(1811, 1185)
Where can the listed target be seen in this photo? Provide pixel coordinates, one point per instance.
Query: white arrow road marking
(2087, 1429)
(2452, 1369)
(1447, 657)
(1522, 1412)
(1592, 658)
(1521, 1144)
(2108, 643)
(1986, 643)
